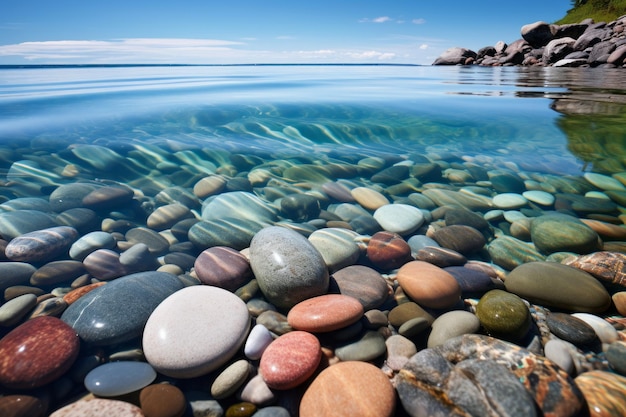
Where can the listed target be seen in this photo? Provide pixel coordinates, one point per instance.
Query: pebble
(402, 219)
(15, 273)
(452, 324)
(229, 232)
(231, 379)
(571, 329)
(616, 356)
(473, 282)
(509, 201)
(337, 247)
(15, 309)
(118, 378)
(290, 360)
(300, 207)
(108, 198)
(195, 331)
(413, 327)
(604, 393)
(463, 239)
(441, 257)
(542, 198)
(99, 407)
(509, 252)
(387, 250)
(243, 409)
(47, 345)
(57, 272)
(557, 232)
(257, 392)
(560, 286)
(89, 243)
(503, 315)
(287, 267)
(117, 312)
(619, 300)
(369, 346)
(104, 264)
(558, 352)
(21, 405)
(604, 182)
(162, 400)
(240, 205)
(156, 243)
(165, 217)
(20, 222)
(368, 198)
(363, 283)
(603, 329)
(349, 389)
(325, 313)
(41, 245)
(258, 340)
(223, 267)
(407, 311)
(429, 285)
(272, 411)
(338, 191)
(208, 186)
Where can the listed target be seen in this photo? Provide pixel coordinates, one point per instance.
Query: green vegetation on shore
(598, 10)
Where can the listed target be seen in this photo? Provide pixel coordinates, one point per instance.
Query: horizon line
(4, 66)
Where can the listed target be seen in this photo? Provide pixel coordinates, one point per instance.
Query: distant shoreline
(27, 66)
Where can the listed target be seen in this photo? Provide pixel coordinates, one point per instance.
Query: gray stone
(455, 56)
(537, 34)
(19, 222)
(452, 324)
(557, 232)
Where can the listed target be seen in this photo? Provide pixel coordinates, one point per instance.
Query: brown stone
(37, 352)
(223, 267)
(603, 392)
(363, 283)
(460, 238)
(162, 400)
(429, 285)
(21, 406)
(349, 389)
(368, 198)
(74, 295)
(619, 300)
(387, 250)
(325, 313)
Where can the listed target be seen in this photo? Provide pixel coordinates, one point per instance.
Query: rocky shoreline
(584, 44)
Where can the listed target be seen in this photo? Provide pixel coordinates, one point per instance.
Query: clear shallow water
(553, 120)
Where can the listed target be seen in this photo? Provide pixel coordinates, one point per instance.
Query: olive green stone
(557, 232)
(550, 284)
(503, 315)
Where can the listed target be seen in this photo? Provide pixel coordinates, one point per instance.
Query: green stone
(503, 315)
(558, 232)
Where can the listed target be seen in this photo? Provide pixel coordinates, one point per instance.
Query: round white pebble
(402, 219)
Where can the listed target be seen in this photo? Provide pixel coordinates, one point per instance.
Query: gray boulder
(591, 37)
(600, 52)
(618, 56)
(537, 34)
(573, 30)
(455, 56)
(557, 49)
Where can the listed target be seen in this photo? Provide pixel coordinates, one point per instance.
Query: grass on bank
(598, 10)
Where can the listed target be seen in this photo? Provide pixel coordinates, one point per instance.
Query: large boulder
(455, 56)
(600, 52)
(557, 49)
(573, 30)
(618, 56)
(537, 34)
(592, 37)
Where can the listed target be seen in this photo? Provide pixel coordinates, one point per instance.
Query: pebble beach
(164, 278)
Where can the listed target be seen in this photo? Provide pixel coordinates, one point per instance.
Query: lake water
(557, 120)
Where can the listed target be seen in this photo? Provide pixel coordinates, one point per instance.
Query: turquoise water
(506, 113)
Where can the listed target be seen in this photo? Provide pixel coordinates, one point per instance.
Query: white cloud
(372, 55)
(419, 21)
(423, 46)
(380, 19)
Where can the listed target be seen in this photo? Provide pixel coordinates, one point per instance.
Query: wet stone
(56, 272)
(442, 257)
(41, 245)
(337, 247)
(108, 198)
(368, 198)
(118, 378)
(300, 207)
(325, 313)
(195, 331)
(239, 205)
(69, 196)
(616, 355)
(118, 311)
(559, 286)
(452, 324)
(349, 389)
(369, 346)
(571, 329)
(46, 344)
(604, 393)
(462, 239)
(338, 191)
(223, 267)
(603, 329)
(563, 233)
(462, 216)
(287, 266)
(558, 352)
(99, 406)
(82, 219)
(162, 400)
(157, 244)
(290, 360)
(429, 285)
(387, 250)
(15, 309)
(167, 216)
(363, 283)
(104, 264)
(503, 315)
(509, 252)
(402, 219)
(230, 232)
(407, 311)
(473, 282)
(230, 379)
(608, 267)
(21, 405)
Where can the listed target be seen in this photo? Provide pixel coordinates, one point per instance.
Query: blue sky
(261, 31)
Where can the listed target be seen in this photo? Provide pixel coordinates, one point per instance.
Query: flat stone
(607, 231)
(603, 329)
(21, 222)
(571, 329)
(69, 196)
(118, 378)
(407, 311)
(463, 216)
(368, 198)
(118, 311)
(473, 282)
(325, 313)
(300, 207)
(503, 315)
(227, 231)
(558, 232)
(452, 324)
(89, 243)
(104, 264)
(349, 389)
(542, 198)
(41, 245)
(287, 266)
(369, 346)
(337, 247)
(195, 331)
(108, 197)
(402, 219)
(616, 355)
(338, 191)
(441, 257)
(290, 360)
(223, 267)
(462, 239)
(363, 283)
(162, 400)
(157, 244)
(429, 285)
(15, 309)
(46, 344)
(560, 286)
(99, 406)
(509, 252)
(57, 272)
(165, 217)
(239, 205)
(230, 379)
(604, 182)
(21, 405)
(443, 197)
(15, 273)
(508, 201)
(387, 250)
(208, 186)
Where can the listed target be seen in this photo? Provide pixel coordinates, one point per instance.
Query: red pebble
(290, 360)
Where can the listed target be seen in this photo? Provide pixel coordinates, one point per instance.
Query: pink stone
(325, 313)
(99, 407)
(37, 353)
(290, 360)
(428, 285)
(223, 267)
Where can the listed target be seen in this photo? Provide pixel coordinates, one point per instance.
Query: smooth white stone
(509, 201)
(257, 392)
(540, 197)
(337, 247)
(258, 339)
(402, 219)
(604, 182)
(513, 215)
(597, 194)
(195, 331)
(558, 352)
(606, 333)
(493, 215)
